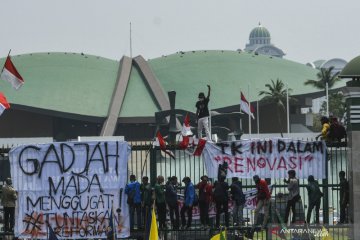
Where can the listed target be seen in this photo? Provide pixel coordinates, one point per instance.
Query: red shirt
(262, 187)
(205, 191)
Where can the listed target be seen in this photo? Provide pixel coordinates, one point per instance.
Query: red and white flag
(10, 74)
(186, 129)
(246, 106)
(162, 144)
(3, 103)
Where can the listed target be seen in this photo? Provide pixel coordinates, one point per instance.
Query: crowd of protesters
(166, 197)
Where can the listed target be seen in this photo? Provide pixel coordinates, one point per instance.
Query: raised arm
(209, 90)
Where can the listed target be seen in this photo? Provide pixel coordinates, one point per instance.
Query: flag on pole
(219, 236)
(3, 103)
(200, 147)
(154, 235)
(10, 74)
(186, 129)
(161, 142)
(52, 235)
(111, 233)
(246, 106)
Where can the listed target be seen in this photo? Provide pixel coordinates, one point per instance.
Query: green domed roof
(352, 69)
(259, 32)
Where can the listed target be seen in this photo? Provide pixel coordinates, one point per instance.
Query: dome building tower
(260, 43)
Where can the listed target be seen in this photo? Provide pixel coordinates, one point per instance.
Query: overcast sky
(306, 30)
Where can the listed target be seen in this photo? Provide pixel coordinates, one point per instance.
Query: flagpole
(258, 120)
(240, 114)
(5, 61)
(249, 102)
(287, 110)
(130, 42)
(327, 98)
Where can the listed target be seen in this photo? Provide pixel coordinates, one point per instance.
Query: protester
(171, 198)
(202, 114)
(337, 131)
(189, 196)
(160, 201)
(344, 197)
(314, 199)
(146, 200)
(205, 197)
(9, 196)
(293, 197)
(263, 199)
(238, 197)
(221, 199)
(325, 128)
(132, 190)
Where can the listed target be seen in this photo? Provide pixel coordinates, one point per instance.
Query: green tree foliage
(324, 76)
(276, 93)
(336, 105)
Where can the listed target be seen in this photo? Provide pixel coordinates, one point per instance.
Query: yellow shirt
(325, 130)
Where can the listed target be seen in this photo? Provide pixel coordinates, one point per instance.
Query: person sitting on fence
(314, 199)
(160, 201)
(8, 199)
(325, 129)
(344, 197)
(263, 200)
(205, 197)
(293, 197)
(221, 199)
(238, 197)
(189, 197)
(171, 198)
(336, 131)
(132, 190)
(146, 201)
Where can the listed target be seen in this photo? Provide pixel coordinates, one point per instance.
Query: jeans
(161, 211)
(204, 212)
(222, 207)
(135, 207)
(238, 213)
(188, 211)
(317, 209)
(291, 204)
(204, 123)
(174, 210)
(265, 203)
(9, 218)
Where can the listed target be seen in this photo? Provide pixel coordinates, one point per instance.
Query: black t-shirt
(202, 107)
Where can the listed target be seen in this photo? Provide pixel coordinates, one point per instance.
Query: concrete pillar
(352, 97)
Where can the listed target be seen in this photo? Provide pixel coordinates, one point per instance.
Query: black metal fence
(145, 160)
(154, 162)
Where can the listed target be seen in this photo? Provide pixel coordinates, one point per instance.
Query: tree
(277, 94)
(336, 105)
(324, 76)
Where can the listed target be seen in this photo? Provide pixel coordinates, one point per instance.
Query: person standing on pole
(202, 114)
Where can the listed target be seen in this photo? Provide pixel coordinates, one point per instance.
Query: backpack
(336, 132)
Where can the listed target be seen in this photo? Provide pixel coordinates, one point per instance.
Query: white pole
(327, 99)
(287, 110)
(249, 111)
(258, 119)
(210, 123)
(240, 113)
(130, 42)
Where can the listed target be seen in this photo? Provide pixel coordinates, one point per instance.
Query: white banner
(271, 158)
(70, 187)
